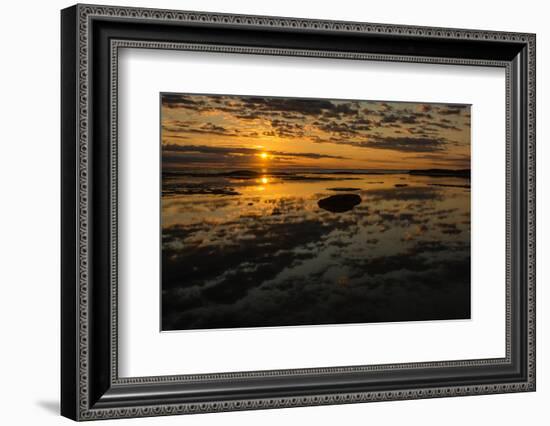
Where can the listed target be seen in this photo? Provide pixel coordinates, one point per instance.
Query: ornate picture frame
(91, 39)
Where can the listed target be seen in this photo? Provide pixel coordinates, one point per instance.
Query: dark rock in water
(339, 203)
(463, 173)
(400, 185)
(449, 185)
(344, 189)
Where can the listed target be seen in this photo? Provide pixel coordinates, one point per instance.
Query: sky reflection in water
(259, 251)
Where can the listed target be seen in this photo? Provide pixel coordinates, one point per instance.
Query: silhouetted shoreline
(303, 174)
(462, 173)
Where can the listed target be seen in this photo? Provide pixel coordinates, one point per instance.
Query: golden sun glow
(264, 155)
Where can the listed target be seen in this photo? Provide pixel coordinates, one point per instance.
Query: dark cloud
(443, 159)
(452, 110)
(444, 125)
(207, 128)
(182, 101)
(449, 228)
(221, 150)
(401, 118)
(303, 106)
(408, 144)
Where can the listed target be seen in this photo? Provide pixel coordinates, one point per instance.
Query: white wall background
(29, 212)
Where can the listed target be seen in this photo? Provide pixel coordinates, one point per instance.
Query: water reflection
(242, 249)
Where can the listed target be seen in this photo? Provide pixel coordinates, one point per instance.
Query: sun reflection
(264, 180)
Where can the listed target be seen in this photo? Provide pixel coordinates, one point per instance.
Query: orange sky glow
(253, 132)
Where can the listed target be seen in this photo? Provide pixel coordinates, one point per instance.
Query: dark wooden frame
(90, 386)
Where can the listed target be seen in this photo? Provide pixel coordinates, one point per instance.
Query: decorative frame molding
(91, 388)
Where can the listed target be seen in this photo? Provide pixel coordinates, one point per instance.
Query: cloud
(303, 106)
(453, 110)
(445, 160)
(408, 144)
(181, 101)
(191, 126)
(394, 118)
(228, 150)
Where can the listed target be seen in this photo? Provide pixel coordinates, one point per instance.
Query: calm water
(256, 250)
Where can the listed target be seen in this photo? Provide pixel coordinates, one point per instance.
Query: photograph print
(283, 211)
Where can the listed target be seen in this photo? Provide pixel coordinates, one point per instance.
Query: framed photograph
(263, 212)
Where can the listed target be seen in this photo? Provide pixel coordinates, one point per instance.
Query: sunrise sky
(251, 132)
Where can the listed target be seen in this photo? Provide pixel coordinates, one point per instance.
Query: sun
(264, 155)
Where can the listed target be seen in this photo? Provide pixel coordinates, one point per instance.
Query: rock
(400, 185)
(339, 203)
